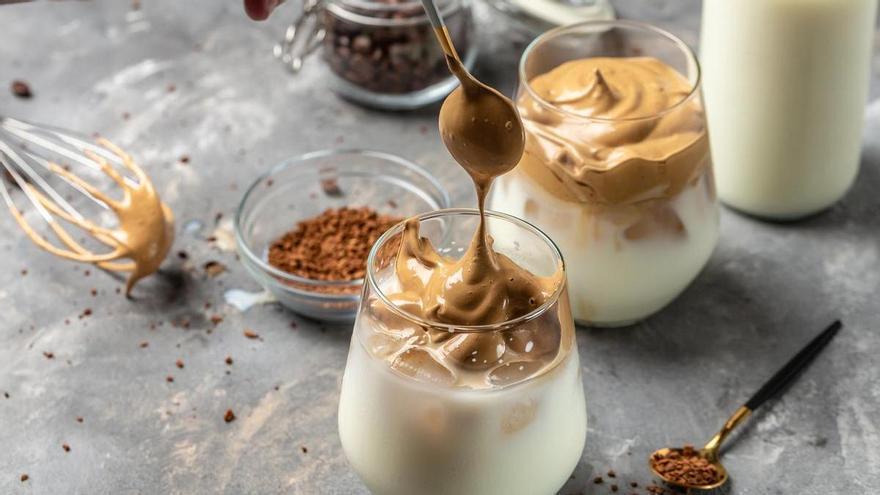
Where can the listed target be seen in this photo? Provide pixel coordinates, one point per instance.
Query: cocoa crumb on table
(49, 355)
(79, 419)
(598, 480)
(65, 447)
(169, 379)
(144, 344)
(21, 89)
(229, 360)
(229, 416)
(304, 449)
(24, 477)
(216, 319)
(179, 363)
(251, 334)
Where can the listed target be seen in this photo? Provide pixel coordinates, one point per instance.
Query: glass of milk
(628, 198)
(785, 87)
(414, 418)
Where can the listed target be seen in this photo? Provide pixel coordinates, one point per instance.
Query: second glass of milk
(785, 84)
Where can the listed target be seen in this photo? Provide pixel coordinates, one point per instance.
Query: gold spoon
(479, 126)
(774, 386)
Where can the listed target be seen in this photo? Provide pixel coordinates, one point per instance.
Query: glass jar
(382, 53)
(626, 189)
(413, 418)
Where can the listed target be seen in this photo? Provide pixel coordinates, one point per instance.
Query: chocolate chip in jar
(388, 47)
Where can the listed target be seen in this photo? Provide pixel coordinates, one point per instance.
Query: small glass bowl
(303, 187)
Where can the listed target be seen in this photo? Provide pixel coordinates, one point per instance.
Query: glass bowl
(303, 187)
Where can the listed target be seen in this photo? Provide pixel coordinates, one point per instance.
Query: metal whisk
(40, 160)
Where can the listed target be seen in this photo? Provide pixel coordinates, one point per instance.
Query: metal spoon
(774, 386)
(480, 127)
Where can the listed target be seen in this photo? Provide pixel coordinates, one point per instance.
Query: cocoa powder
(331, 246)
(686, 467)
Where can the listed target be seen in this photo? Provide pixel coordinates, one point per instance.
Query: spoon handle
(792, 369)
(439, 28)
(776, 384)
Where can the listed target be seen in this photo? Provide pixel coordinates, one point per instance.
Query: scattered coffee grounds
(612, 474)
(179, 363)
(685, 467)
(144, 345)
(614, 488)
(214, 268)
(229, 360)
(184, 159)
(21, 89)
(171, 88)
(401, 56)
(169, 379)
(332, 246)
(79, 419)
(94, 292)
(598, 480)
(65, 447)
(304, 449)
(229, 416)
(182, 255)
(49, 355)
(251, 334)
(6, 394)
(24, 478)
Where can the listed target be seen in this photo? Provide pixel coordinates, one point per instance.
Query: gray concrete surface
(670, 379)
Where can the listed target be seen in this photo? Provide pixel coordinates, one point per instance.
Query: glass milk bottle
(785, 84)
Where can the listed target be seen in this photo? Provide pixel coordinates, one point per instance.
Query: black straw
(792, 369)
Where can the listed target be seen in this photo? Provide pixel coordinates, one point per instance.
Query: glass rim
(339, 9)
(615, 23)
(452, 328)
(299, 160)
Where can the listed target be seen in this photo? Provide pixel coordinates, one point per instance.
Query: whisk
(32, 157)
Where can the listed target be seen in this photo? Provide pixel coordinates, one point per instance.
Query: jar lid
(388, 12)
(538, 16)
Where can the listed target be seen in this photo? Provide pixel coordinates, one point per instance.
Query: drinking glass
(638, 232)
(509, 420)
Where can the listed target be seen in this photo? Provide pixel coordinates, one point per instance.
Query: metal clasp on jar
(302, 37)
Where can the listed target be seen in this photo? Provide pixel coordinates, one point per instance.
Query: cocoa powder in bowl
(332, 246)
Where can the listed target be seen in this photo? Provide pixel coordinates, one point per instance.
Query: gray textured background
(671, 379)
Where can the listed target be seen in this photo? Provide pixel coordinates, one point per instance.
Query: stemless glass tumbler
(415, 419)
(635, 221)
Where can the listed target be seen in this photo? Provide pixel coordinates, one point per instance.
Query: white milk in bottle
(785, 85)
